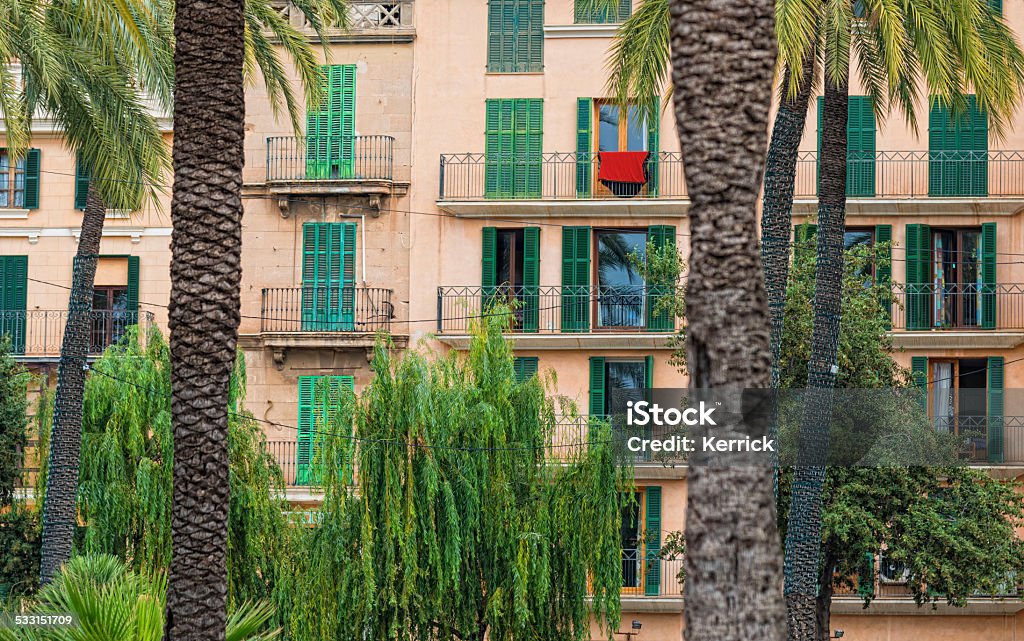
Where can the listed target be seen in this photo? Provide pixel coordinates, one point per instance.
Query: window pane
(620, 286)
(608, 131)
(5, 169)
(624, 382)
(636, 136)
(861, 238)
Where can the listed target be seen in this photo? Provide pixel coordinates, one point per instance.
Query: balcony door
(330, 126)
(957, 151)
(641, 542)
(110, 317)
(951, 280)
(510, 273)
(965, 398)
(328, 277)
(513, 148)
(621, 288)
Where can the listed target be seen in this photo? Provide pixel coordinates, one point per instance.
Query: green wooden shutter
(328, 270)
(883, 267)
(498, 148)
(304, 435)
(866, 576)
(575, 279)
(32, 179)
(533, 61)
(860, 149)
(918, 282)
(330, 126)
(81, 183)
(133, 288)
(584, 146)
(660, 320)
(652, 543)
(653, 140)
(597, 387)
(989, 297)
(531, 278)
(649, 372)
(347, 115)
(805, 238)
(524, 367)
(495, 34)
(957, 151)
(995, 409)
(919, 378)
(515, 36)
(528, 147)
(318, 132)
(14, 300)
(488, 264)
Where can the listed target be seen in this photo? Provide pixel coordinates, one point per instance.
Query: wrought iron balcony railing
(554, 310)
(326, 309)
(363, 16)
(39, 332)
(881, 174)
(958, 307)
(321, 158)
(647, 575)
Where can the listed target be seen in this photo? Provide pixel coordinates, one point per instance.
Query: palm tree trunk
(204, 312)
(803, 534)
(59, 513)
(777, 203)
(723, 57)
(824, 600)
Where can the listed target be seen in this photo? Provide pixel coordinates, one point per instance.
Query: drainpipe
(362, 231)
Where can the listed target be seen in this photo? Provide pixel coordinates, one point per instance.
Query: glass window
(12, 181)
(636, 132)
(620, 287)
(510, 257)
(110, 316)
(608, 128)
(956, 277)
(615, 133)
(624, 381)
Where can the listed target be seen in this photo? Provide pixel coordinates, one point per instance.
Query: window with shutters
(13, 300)
(320, 406)
(515, 36)
(328, 277)
(621, 288)
(860, 145)
(964, 397)
(525, 367)
(115, 300)
(641, 542)
(330, 126)
(951, 277)
(12, 181)
(957, 150)
(513, 148)
(588, 12)
(510, 273)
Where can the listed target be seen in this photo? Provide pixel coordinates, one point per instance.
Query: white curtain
(942, 396)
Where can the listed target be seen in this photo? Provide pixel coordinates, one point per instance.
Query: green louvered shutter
(995, 409)
(347, 114)
(653, 142)
(531, 279)
(660, 319)
(989, 298)
(499, 163)
(133, 288)
(318, 132)
(348, 276)
(860, 149)
(534, 56)
(304, 435)
(81, 183)
(649, 372)
(584, 146)
(919, 378)
(957, 151)
(489, 267)
(495, 33)
(597, 387)
(575, 279)
(525, 367)
(32, 179)
(528, 147)
(918, 283)
(652, 543)
(883, 266)
(14, 300)
(805, 237)
(330, 126)
(515, 36)
(328, 269)
(866, 576)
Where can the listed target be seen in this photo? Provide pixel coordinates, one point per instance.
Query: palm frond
(638, 62)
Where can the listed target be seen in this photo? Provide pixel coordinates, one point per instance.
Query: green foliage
(461, 527)
(112, 602)
(952, 528)
(20, 539)
(13, 421)
(663, 264)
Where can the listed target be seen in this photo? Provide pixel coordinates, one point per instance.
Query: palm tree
(722, 77)
(82, 61)
(215, 43)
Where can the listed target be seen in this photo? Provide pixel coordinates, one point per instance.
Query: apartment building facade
(468, 152)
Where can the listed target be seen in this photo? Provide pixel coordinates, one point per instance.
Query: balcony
(560, 317)
(390, 22)
(562, 183)
(331, 165)
(650, 577)
(959, 316)
(37, 335)
(891, 594)
(324, 317)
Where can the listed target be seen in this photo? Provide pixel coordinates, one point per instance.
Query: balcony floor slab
(906, 606)
(918, 206)
(951, 339)
(568, 208)
(590, 341)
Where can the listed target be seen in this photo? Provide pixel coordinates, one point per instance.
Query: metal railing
(642, 576)
(319, 158)
(881, 174)
(286, 453)
(897, 588)
(958, 307)
(326, 309)
(363, 16)
(553, 310)
(39, 332)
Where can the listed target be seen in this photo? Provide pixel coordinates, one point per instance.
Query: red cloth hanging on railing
(622, 166)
